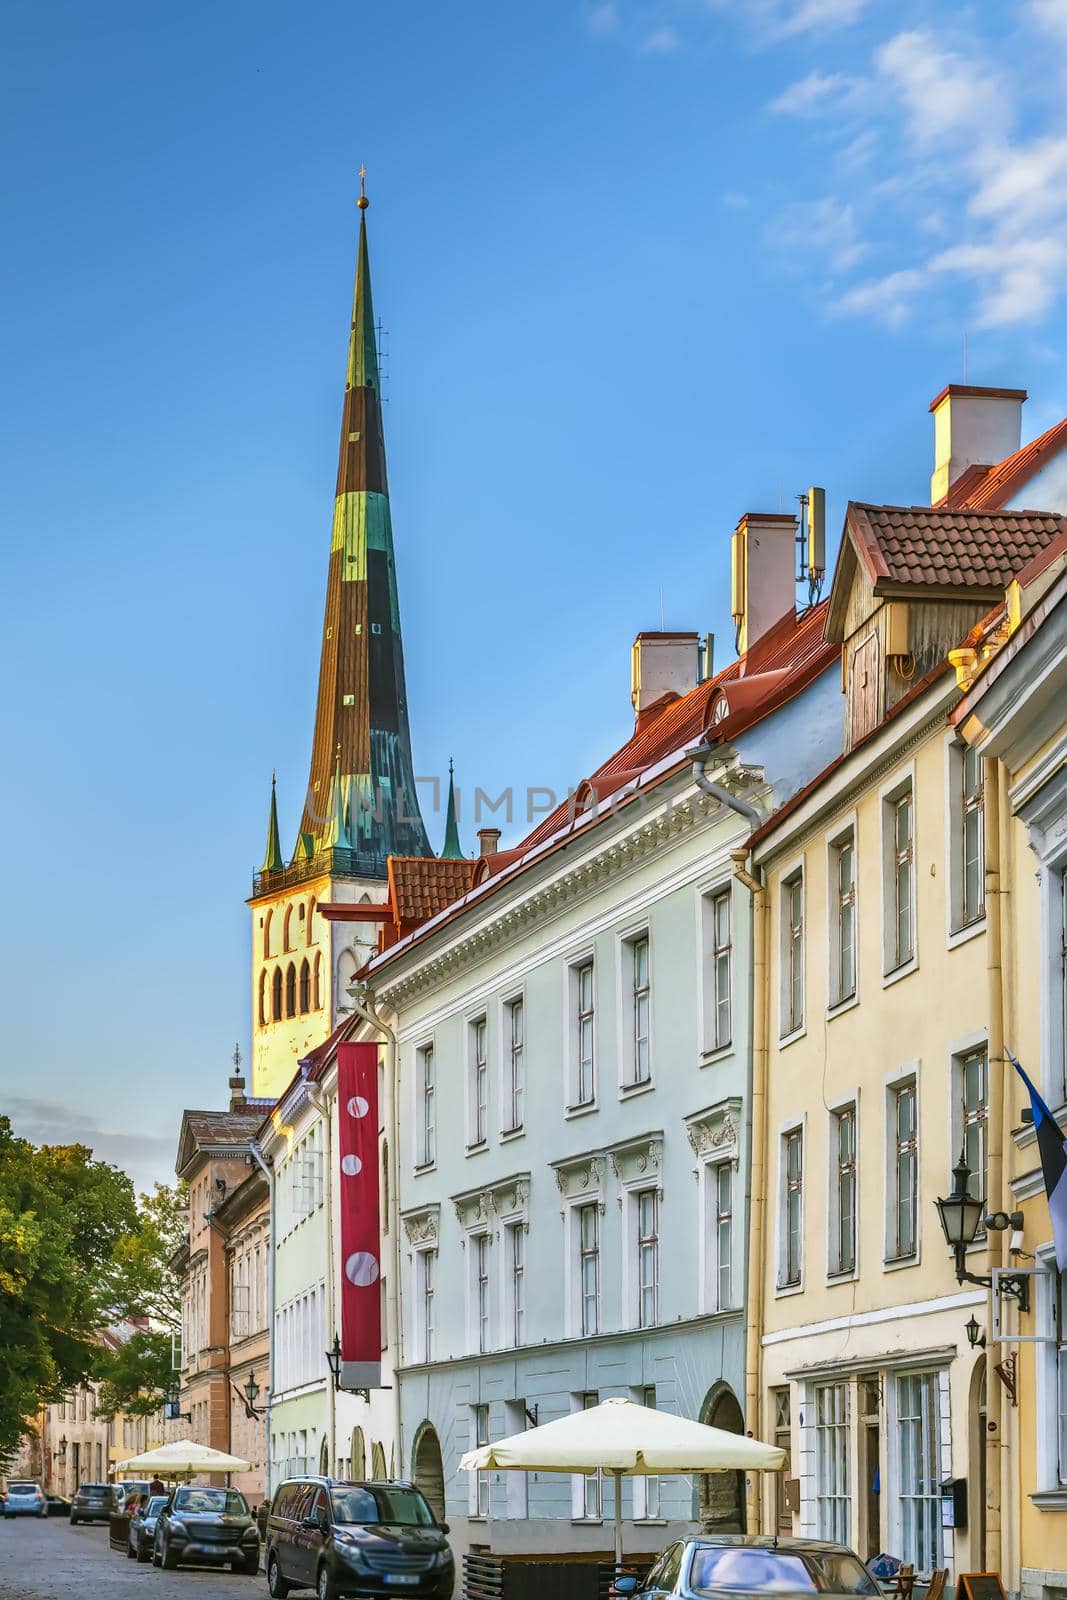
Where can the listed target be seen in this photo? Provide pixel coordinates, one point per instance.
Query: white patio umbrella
(182, 1456)
(627, 1440)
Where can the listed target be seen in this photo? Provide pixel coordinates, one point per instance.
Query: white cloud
(602, 19)
(889, 299)
(1019, 281)
(1024, 183)
(818, 92)
(735, 201)
(945, 96)
(1050, 14)
(147, 1158)
(827, 226)
(663, 41)
(813, 14)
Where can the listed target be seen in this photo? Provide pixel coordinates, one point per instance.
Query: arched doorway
(979, 1445)
(722, 1494)
(427, 1469)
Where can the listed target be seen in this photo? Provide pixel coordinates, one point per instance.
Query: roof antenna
(965, 357)
(661, 623)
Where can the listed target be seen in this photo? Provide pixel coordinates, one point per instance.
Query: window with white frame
(919, 1469)
(426, 1110)
(478, 1083)
(425, 1285)
(966, 835)
(831, 1462)
(843, 1189)
(791, 1258)
(590, 1485)
(582, 1087)
(970, 1078)
(646, 1491)
(903, 1169)
(514, 1065)
(719, 944)
(898, 849)
(843, 918)
(480, 1487)
(646, 1255)
(792, 989)
(1058, 1005)
(637, 1043)
(515, 1243)
(718, 1235)
(586, 1224)
(479, 1248)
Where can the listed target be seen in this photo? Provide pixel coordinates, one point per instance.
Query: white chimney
(663, 663)
(972, 427)
(764, 574)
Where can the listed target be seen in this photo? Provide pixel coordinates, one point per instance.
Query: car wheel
(131, 1553)
(142, 1553)
(168, 1558)
(155, 1554)
(250, 1564)
(327, 1589)
(277, 1587)
(73, 1520)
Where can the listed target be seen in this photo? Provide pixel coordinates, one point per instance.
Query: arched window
(276, 996)
(288, 929)
(305, 987)
(385, 1186)
(309, 925)
(359, 1455)
(377, 1461)
(290, 990)
(318, 983)
(267, 920)
(263, 997)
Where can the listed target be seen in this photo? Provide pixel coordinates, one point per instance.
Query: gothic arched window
(309, 926)
(267, 920)
(305, 987)
(263, 997)
(276, 994)
(318, 983)
(290, 990)
(288, 944)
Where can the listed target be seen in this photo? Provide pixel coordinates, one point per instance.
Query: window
(426, 1135)
(718, 1236)
(290, 990)
(582, 1088)
(426, 1273)
(646, 1490)
(267, 920)
(515, 1236)
(843, 920)
(480, 1507)
(783, 1517)
(919, 1489)
(478, 1084)
(262, 998)
(647, 1222)
(970, 799)
(904, 1167)
(305, 987)
(898, 839)
(972, 1088)
(515, 1066)
(276, 995)
(587, 1219)
(792, 1247)
(792, 997)
(831, 1461)
(592, 1484)
(481, 1245)
(721, 1031)
(317, 986)
(843, 1193)
(637, 1068)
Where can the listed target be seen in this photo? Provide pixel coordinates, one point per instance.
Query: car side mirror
(444, 1527)
(627, 1585)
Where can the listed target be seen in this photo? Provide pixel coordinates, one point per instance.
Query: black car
(141, 1533)
(95, 1502)
(342, 1538)
(197, 1523)
(751, 1564)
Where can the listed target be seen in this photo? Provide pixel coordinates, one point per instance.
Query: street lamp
(961, 1215)
(975, 1336)
(333, 1361)
(61, 1453)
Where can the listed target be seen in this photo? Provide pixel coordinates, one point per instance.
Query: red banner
(360, 1216)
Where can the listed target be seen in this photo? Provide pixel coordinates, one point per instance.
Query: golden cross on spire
(363, 202)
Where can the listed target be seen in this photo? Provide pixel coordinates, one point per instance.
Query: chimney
(972, 427)
(488, 841)
(764, 574)
(663, 663)
(237, 1093)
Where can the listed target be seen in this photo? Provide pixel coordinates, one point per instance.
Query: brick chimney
(488, 841)
(663, 663)
(972, 427)
(237, 1093)
(764, 574)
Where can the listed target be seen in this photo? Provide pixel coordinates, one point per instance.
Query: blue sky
(645, 265)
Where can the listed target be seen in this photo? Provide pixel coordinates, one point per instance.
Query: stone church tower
(361, 804)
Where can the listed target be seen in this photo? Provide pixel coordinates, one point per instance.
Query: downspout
(995, 1152)
(364, 1008)
(756, 1187)
(1011, 1555)
(322, 1106)
(268, 1173)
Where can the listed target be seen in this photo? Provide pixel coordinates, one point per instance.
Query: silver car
(142, 1533)
(25, 1500)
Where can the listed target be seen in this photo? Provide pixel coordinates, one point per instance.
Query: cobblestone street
(50, 1560)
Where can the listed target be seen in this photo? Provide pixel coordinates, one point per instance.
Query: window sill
(784, 1290)
(650, 1522)
(718, 1052)
(898, 1263)
(477, 1148)
(786, 1039)
(630, 1091)
(425, 1166)
(581, 1111)
(851, 1276)
(1050, 1499)
(507, 1134)
(905, 970)
(964, 935)
(587, 1522)
(841, 1006)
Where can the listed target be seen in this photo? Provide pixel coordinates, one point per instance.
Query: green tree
(144, 1288)
(62, 1215)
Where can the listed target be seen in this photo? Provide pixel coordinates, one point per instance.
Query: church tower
(361, 805)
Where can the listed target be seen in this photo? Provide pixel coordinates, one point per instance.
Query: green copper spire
(273, 860)
(362, 371)
(453, 851)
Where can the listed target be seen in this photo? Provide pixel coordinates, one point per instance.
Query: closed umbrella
(627, 1440)
(182, 1456)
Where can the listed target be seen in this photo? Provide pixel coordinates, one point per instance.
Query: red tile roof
(944, 547)
(1000, 483)
(420, 886)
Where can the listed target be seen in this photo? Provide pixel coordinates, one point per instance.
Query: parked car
(94, 1502)
(142, 1530)
(133, 1491)
(25, 1500)
(197, 1523)
(751, 1564)
(342, 1538)
(58, 1505)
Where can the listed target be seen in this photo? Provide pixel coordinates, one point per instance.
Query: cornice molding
(715, 1130)
(422, 1225)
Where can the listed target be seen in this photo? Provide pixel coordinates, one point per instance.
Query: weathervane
(363, 202)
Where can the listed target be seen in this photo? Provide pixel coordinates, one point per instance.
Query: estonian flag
(1053, 1148)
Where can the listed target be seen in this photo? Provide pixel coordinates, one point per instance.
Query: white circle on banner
(357, 1106)
(361, 1269)
(351, 1165)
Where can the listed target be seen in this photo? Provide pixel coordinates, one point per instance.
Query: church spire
(362, 701)
(453, 850)
(273, 860)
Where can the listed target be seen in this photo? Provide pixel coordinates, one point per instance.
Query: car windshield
(154, 1506)
(225, 1501)
(779, 1571)
(96, 1488)
(22, 1488)
(360, 1503)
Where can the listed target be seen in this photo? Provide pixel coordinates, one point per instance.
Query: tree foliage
(143, 1287)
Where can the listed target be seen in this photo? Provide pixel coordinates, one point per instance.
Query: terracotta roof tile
(944, 547)
(226, 1127)
(420, 886)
